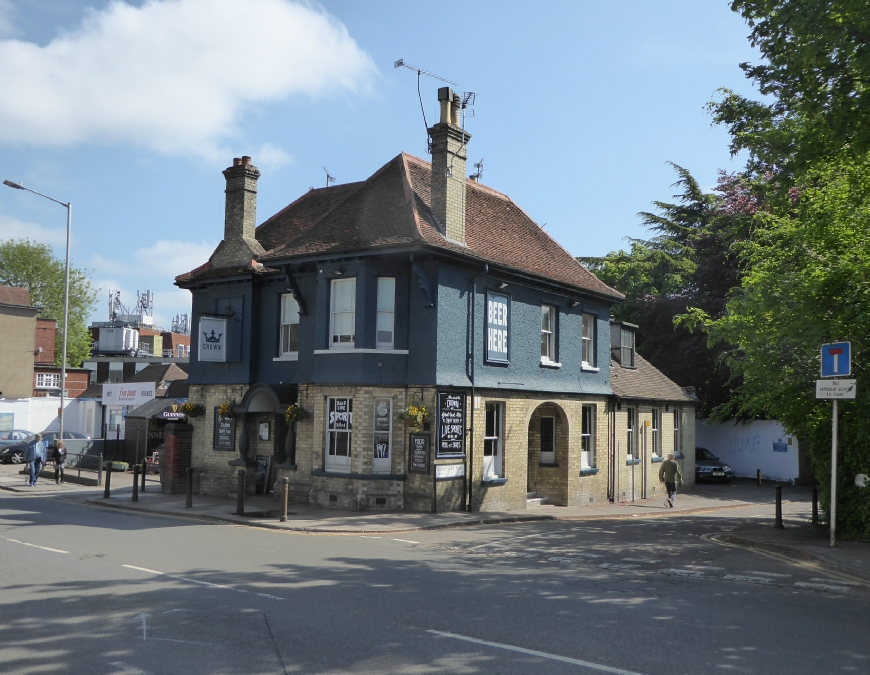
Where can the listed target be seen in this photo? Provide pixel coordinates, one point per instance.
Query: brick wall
(46, 331)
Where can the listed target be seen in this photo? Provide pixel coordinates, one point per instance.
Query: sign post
(836, 362)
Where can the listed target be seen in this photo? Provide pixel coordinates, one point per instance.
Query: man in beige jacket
(670, 475)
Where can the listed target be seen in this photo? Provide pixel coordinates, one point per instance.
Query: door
(492, 441)
(382, 436)
(339, 426)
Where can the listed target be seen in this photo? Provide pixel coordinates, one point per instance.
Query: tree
(688, 263)
(807, 282)
(24, 263)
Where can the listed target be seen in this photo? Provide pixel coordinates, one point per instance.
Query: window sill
(588, 471)
(656, 459)
(330, 473)
(632, 462)
(350, 350)
(545, 363)
(287, 357)
(586, 368)
(550, 465)
(494, 481)
(679, 455)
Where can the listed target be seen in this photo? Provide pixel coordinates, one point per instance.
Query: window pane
(289, 309)
(545, 318)
(545, 345)
(289, 338)
(386, 294)
(548, 434)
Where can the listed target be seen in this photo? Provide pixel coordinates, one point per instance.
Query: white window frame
(334, 313)
(52, 378)
(331, 460)
(386, 312)
(382, 464)
(588, 340)
(493, 464)
(548, 457)
(677, 432)
(631, 433)
(289, 318)
(548, 335)
(587, 437)
(655, 429)
(626, 345)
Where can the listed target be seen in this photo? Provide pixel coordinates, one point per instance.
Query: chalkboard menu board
(451, 424)
(381, 449)
(224, 432)
(418, 453)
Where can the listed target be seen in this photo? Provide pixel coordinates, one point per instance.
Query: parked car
(709, 467)
(11, 436)
(14, 452)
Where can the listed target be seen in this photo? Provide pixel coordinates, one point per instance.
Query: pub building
(440, 351)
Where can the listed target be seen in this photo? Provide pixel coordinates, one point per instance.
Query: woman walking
(59, 457)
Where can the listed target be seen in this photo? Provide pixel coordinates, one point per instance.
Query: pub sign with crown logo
(212, 339)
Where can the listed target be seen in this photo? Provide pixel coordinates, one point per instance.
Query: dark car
(15, 453)
(12, 436)
(709, 467)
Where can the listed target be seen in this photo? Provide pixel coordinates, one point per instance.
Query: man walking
(35, 457)
(669, 474)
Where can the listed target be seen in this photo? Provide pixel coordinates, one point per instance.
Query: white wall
(40, 414)
(752, 446)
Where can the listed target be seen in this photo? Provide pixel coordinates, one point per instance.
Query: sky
(131, 109)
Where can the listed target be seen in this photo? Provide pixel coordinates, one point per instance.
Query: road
(92, 590)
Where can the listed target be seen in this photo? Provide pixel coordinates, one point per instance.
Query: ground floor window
(492, 441)
(655, 433)
(587, 438)
(548, 440)
(677, 446)
(630, 440)
(339, 426)
(382, 435)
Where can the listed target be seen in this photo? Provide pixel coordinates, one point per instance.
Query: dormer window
(622, 343)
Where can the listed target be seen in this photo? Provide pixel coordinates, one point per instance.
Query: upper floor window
(289, 325)
(548, 333)
(622, 343)
(386, 312)
(342, 315)
(47, 380)
(588, 340)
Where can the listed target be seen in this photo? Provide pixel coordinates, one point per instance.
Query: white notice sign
(449, 470)
(838, 389)
(212, 339)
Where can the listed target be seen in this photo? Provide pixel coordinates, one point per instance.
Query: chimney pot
(246, 160)
(237, 161)
(454, 113)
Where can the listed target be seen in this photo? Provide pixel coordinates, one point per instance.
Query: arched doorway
(262, 434)
(548, 450)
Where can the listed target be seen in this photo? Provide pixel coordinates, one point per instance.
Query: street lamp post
(68, 206)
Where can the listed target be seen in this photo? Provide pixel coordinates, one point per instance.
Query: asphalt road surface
(91, 590)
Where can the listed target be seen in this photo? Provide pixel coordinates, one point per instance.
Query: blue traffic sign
(837, 359)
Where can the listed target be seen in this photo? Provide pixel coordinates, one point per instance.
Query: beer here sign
(497, 327)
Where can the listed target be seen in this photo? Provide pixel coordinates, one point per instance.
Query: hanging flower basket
(414, 415)
(295, 413)
(225, 409)
(192, 409)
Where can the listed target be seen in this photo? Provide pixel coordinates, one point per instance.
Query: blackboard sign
(381, 449)
(451, 424)
(418, 453)
(498, 327)
(261, 473)
(224, 432)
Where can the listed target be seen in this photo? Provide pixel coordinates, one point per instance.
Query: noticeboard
(224, 432)
(418, 453)
(451, 424)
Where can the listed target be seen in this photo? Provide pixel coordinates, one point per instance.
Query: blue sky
(131, 110)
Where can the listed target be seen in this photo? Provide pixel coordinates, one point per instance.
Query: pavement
(742, 498)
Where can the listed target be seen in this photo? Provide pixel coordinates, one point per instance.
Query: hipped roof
(392, 208)
(646, 382)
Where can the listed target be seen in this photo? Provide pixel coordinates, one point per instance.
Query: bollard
(144, 471)
(108, 488)
(778, 524)
(100, 470)
(285, 497)
(758, 476)
(188, 501)
(815, 506)
(240, 494)
(135, 482)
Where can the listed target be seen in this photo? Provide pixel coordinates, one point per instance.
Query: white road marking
(685, 573)
(44, 548)
(201, 583)
(767, 574)
(821, 587)
(743, 577)
(362, 536)
(143, 618)
(702, 567)
(836, 581)
(642, 560)
(407, 541)
(534, 652)
(617, 566)
(127, 669)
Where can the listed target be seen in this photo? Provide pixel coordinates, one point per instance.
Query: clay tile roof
(12, 295)
(393, 207)
(646, 382)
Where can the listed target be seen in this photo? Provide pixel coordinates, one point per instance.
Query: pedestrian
(670, 475)
(35, 457)
(59, 457)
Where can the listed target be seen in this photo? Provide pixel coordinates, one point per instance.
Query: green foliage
(32, 265)
(807, 282)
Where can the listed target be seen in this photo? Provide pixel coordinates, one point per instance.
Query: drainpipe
(470, 453)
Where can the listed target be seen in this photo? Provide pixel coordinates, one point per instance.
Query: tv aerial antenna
(479, 174)
(329, 177)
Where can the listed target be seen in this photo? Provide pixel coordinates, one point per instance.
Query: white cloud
(12, 228)
(271, 157)
(175, 76)
(168, 259)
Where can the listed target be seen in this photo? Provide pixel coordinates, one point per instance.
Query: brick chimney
(239, 246)
(449, 144)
